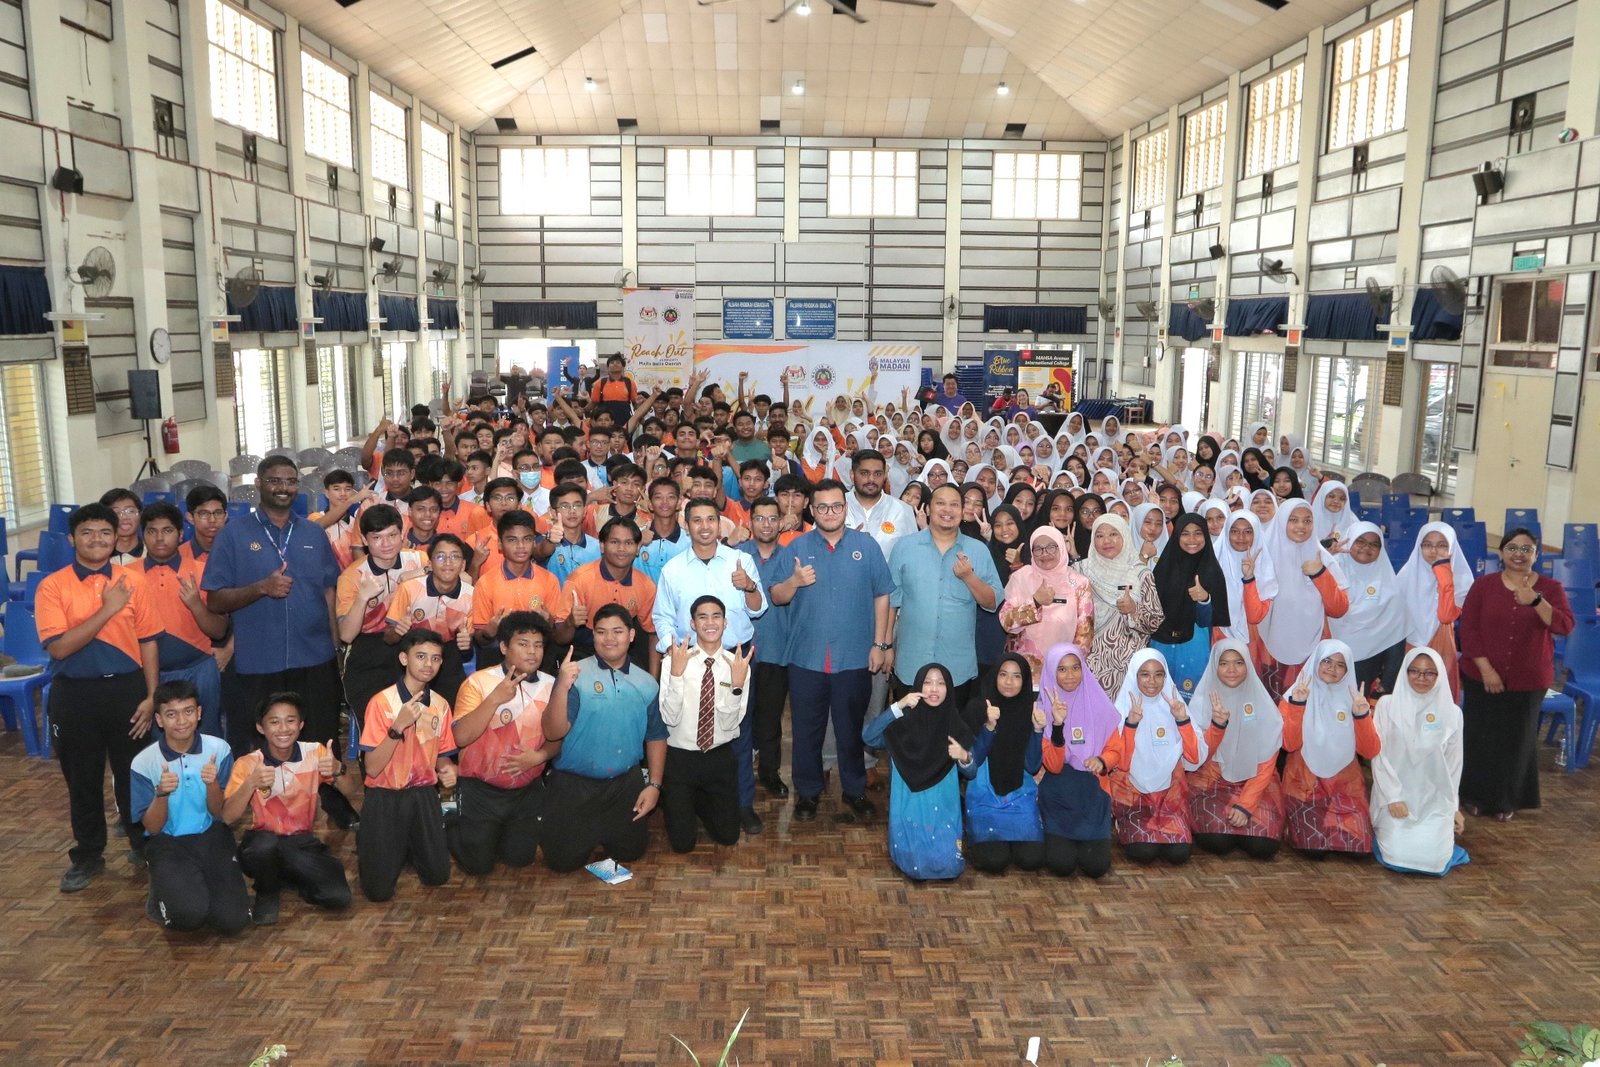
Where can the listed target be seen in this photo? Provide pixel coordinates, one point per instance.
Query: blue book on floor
(609, 872)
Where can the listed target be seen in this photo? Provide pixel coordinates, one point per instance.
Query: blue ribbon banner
(557, 360)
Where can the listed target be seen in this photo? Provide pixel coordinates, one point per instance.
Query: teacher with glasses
(1508, 626)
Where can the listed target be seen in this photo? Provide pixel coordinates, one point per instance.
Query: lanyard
(266, 528)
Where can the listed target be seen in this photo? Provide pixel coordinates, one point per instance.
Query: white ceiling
(1077, 69)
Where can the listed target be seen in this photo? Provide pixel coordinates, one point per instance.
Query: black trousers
(701, 787)
(769, 690)
(1384, 668)
(1063, 855)
(89, 727)
(1147, 852)
(400, 825)
(195, 881)
(995, 856)
(299, 860)
(370, 667)
(495, 825)
(591, 812)
(317, 685)
(1257, 848)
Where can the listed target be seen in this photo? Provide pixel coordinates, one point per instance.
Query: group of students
(634, 558)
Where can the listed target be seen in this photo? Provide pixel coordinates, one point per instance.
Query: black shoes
(81, 873)
(264, 912)
(860, 807)
(805, 809)
(136, 859)
(775, 787)
(750, 822)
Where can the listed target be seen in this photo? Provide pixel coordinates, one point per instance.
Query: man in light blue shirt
(942, 578)
(709, 568)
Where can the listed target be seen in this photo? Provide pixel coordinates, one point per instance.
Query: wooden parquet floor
(838, 958)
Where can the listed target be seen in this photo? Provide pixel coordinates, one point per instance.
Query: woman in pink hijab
(1047, 602)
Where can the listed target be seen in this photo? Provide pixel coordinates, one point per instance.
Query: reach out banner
(658, 335)
(820, 369)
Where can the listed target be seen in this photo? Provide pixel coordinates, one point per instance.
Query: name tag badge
(1077, 735)
(1431, 723)
(1249, 709)
(1162, 737)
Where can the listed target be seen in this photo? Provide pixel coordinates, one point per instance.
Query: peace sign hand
(680, 656)
(1302, 688)
(1219, 710)
(1247, 565)
(741, 665)
(506, 688)
(1180, 710)
(189, 592)
(1136, 710)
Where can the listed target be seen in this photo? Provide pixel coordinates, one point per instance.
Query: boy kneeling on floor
(408, 740)
(278, 783)
(176, 793)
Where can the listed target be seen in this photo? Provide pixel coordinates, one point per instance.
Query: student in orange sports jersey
(1327, 723)
(408, 738)
(422, 520)
(517, 584)
(340, 517)
(361, 602)
(191, 627)
(1149, 792)
(278, 784)
(441, 601)
(499, 724)
(1235, 800)
(456, 516)
(502, 499)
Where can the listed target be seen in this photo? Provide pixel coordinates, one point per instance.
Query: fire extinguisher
(169, 436)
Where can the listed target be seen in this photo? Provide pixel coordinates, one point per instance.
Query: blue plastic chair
(59, 516)
(1580, 540)
(301, 506)
(1583, 682)
(239, 509)
(162, 496)
(1455, 518)
(1473, 540)
(17, 694)
(1370, 513)
(1562, 710)
(5, 544)
(1396, 505)
(1577, 580)
(55, 552)
(1488, 565)
(1528, 517)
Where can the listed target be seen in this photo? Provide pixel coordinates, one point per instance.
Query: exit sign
(1531, 261)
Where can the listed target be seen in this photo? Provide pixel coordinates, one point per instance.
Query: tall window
(1272, 138)
(244, 69)
(438, 366)
(1343, 429)
(397, 382)
(389, 142)
(1528, 323)
(328, 107)
(866, 181)
(1037, 185)
(711, 181)
(260, 398)
(26, 482)
(1439, 456)
(1257, 389)
(544, 181)
(334, 372)
(1370, 71)
(1203, 134)
(1149, 170)
(435, 165)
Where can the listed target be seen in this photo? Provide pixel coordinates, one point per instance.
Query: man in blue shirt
(770, 677)
(942, 577)
(275, 575)
(950, 399)
(596, 795)
(837, 590)
(662, 537)
(709, 568)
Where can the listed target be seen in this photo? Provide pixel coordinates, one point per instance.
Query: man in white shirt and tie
(703, 701)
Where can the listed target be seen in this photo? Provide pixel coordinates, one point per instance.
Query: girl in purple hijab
(1076, 727)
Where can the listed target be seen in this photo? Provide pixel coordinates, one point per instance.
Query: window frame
(267, 402)
(430, 184)
(27, 492)
(534, 193)
(1060, 181)
(843, 179)
(712, 191)
(1365, 85)
(1528, 352)
(1257, 389)
(345, 113)
(377, 102)
(1207, 153)
(1275, 127)
(1323, 375)
(217, 12)
(1147, 184)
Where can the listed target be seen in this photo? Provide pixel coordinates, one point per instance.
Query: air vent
(505, 125)
(513, 57)
(627, 125)
(770, 125)
(1014, 130)
(250, 151)
(1358, 159)
(1276, 5)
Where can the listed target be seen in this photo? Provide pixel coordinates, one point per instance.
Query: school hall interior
(233, 226)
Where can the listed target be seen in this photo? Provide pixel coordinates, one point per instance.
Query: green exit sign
(1194, 292)
(1531, 261)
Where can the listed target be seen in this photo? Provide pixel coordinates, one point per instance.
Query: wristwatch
(737, 690)
(1538, 598)
(881, 647)
(396, 735)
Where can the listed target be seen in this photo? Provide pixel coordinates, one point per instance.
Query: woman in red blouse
(1507, 663)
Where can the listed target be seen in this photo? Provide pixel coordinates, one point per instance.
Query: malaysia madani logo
(822, 376)
(670, 315)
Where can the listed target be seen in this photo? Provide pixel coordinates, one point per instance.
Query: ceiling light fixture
(1002, 89)
(798, 88)
(589, 85)
(802, 9)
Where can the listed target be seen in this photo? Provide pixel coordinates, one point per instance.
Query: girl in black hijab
(1002, 801)
(1017, 493)
(1194, 598)
(1089, 508)
(927, 741)
(1285, 485)
(1253, 465)
(1007, 541)
(930, 447)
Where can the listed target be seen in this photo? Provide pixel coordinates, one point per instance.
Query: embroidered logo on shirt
(887, 527)
(1341, 716)
(1077, 735)
(536, 603)
(1249, 709)
(1161, 731)
(1188, 684)
(1431, 716)
(419, 615)
(506, 716)
(856, 556)
(255, 546)
(599, 687)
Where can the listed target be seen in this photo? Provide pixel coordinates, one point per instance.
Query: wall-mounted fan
(1379, 297)
(1108, 308)
(1274, 269)
(476, 278)
(322, 282)
(1451, 290)
(622, 278)
(96, 273)
(1148, 310)
(1205, 307)
(388, 271)
(243, 287)
(440, 275)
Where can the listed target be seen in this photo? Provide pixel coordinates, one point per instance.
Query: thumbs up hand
(277, 584)
(327, 765)
(208, 773)
(168, 784)
(580, 613)
(741, 580)
(803, 574)
(992, 712)
(1197, 592)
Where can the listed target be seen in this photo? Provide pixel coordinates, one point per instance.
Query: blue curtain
(399, 313)
(24, 301)
(1035, 318)
(1342, 317)
(1248, 317)
(1185, 322)
(340, 312)
(272, 311)
(1430, 321)
(446, 314)
(546, 314)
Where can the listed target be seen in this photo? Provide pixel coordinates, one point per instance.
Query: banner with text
(658, 336)
(1037, 368)
(820, 369)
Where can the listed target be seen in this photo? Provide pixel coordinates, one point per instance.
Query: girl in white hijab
(1433, 587)
(1416, 777)
(1149, 789)
(1127, 608)
(1327, 723)
(1252, 582)
(1074, 426)
(1265, 506)
(1311, 590)
(1235, 800)
(819, 455)
(1216, 513)
(1149, 525)
(1110, 426)
(935, 473)
(1046, 451)
(1375, 625)
(1260, 435)
(1331, 511)
(901, 461)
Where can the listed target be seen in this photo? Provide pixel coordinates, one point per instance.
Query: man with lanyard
(663, 537)
(942, 577)
(275, 576)
(770, 678)
(838, 590)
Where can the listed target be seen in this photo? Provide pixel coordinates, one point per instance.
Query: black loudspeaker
(1358, 159)
(67, 180)
(1216, 251)
(144, 394)
(1487, 181)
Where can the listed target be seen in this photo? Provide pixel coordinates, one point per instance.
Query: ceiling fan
(840, 7)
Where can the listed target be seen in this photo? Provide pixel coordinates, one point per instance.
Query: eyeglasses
(1421, 672)
(570, 505)
(454, 557)
(124, 512)
(1518, 550)
(827, 509)
(208, 513)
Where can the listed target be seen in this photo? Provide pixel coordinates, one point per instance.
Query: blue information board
(747, 320)
(810, 320)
